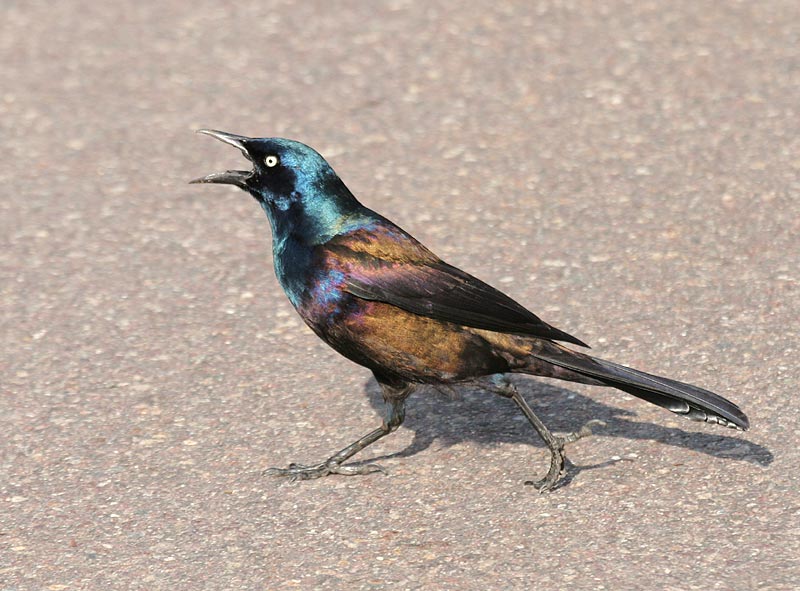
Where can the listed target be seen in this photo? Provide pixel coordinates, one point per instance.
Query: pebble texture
(628, 170)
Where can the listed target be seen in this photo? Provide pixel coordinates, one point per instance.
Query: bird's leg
(555, 443)
(395, 413)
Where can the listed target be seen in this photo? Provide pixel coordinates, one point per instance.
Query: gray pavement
(628, 170)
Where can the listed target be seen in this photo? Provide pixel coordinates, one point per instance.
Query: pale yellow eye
(271, 160)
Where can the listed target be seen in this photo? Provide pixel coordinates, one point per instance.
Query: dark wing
(384, 263)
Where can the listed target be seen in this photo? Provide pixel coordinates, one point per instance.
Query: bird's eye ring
(271, 160)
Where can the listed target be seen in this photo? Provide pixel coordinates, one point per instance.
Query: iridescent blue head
(281, 167)
(288, 178)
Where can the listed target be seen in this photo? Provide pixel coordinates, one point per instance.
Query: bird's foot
(558, 458)
(298, 472)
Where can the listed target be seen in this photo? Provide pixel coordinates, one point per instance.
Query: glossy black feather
(685, 399)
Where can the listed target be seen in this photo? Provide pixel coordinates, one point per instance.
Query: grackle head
(282, 170)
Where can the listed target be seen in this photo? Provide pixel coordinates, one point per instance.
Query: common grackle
(382, 299)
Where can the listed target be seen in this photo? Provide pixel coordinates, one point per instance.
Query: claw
(558, 458)
(557, 462)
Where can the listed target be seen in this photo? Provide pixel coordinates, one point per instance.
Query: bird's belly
(416, 348)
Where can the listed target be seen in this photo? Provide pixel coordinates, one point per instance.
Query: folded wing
(386, 264)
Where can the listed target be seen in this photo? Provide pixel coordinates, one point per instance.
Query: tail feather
(683, 399)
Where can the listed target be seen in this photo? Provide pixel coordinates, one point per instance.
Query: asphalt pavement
(630, 171)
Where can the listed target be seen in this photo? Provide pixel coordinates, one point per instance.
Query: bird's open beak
(229, 177)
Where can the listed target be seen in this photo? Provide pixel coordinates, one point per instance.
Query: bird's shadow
(477, 415)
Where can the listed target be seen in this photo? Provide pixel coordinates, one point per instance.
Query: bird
(385, 301)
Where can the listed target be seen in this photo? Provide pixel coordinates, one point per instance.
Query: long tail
(683, 399)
